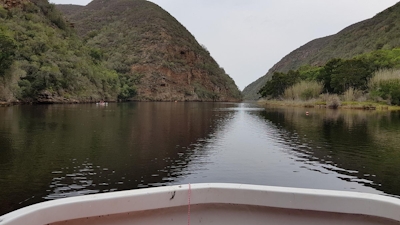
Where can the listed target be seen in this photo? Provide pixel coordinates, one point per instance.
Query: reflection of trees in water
(64, 150)
(166, 138)
(355, 143)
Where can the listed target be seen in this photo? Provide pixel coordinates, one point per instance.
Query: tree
(338, 75)
(325, 76)
(353, 73)
(7, 52)
(279, 82)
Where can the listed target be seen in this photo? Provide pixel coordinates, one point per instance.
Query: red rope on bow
(189, 193)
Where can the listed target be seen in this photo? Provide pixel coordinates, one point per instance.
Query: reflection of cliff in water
(362, 146)
(54, 151)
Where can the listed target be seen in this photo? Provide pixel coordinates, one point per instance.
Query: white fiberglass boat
(102, 103)
(212, 204)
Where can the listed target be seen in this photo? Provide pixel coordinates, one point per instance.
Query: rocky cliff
(9, 4)
(152, 51)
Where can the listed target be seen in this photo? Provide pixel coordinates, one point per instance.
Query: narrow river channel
(56, 151)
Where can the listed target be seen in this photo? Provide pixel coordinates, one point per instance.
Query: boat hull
(213, 204)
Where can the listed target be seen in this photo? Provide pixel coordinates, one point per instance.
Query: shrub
(333, 101)
(127, 92)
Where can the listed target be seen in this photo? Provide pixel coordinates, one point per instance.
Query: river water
(56, 151)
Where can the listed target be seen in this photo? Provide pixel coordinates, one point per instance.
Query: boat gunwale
(208, 193)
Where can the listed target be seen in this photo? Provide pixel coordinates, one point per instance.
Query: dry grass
(383, 80)
(329, 101)
(305, 90)
(384, 76)
(352, 94)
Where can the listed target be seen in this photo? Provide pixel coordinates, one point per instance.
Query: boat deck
(230, 214)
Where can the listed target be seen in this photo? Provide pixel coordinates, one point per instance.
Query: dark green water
(55, 151)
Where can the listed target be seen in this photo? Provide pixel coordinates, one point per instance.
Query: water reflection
(360, 146)
(55, 151)
(249, 148)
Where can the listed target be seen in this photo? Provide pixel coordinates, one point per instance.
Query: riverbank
(321, 104)
(4, 104)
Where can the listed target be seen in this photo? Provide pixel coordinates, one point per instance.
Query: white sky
(247, 37)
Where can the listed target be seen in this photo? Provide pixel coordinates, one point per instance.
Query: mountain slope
(69, 9)
(153, 52)
(379, 32)
(43, 60)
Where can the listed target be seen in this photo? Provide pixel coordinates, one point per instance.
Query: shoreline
(7, 104)
(343, 105)
(4, 104)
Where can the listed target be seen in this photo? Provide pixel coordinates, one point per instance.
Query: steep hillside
(152, 51)
(69, 9)
(379, 32)
(43, 60)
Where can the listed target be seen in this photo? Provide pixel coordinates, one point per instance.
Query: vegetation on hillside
(373, 76)
(43, 60)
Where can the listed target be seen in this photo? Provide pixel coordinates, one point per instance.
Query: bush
(333, 101)
(96, 54)
(127, 92)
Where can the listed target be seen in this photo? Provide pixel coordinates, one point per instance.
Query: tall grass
(304, 90)
(384, 76)
(352, 94)
(385, 85)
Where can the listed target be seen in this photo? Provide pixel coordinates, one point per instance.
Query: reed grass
(384, 77)
(383, 94)
(385, 85)
(304, 90)
(352, 94)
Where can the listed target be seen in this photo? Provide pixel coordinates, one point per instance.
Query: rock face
(152, 50)
(380, 32)
(8, 4)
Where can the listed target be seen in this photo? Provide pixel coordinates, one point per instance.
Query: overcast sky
(247, 37)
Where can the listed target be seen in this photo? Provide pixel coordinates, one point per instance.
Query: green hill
(43, 60)
(380, 32)
(152, 51)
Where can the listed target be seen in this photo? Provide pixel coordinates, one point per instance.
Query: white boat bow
(213, 204)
